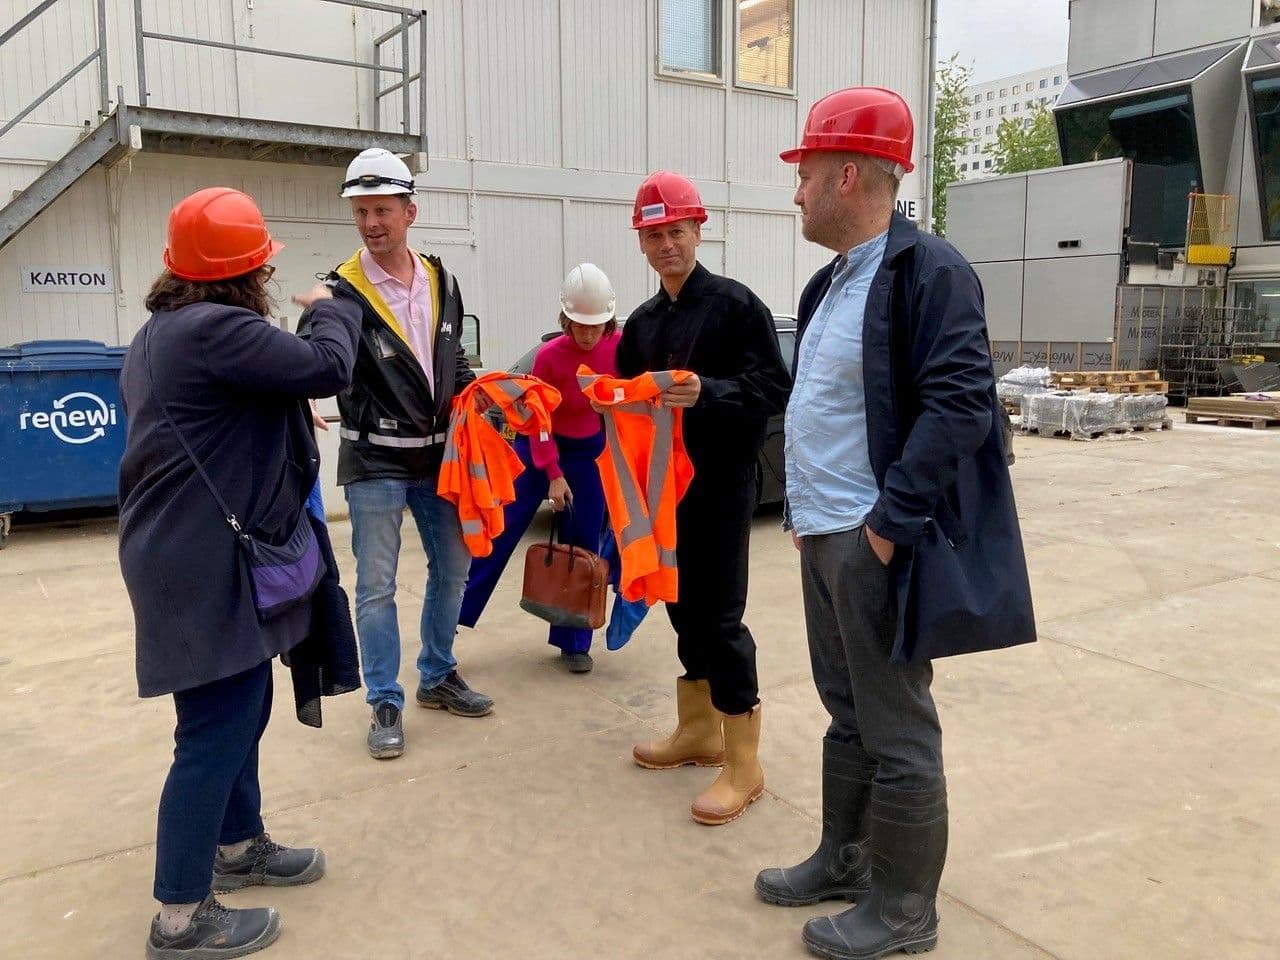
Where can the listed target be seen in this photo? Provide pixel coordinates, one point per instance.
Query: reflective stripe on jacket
(645, 471)
(479, 469)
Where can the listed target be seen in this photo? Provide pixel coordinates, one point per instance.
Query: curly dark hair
(249, 291)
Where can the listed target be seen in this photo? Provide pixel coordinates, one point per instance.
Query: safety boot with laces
(268, 864)
(215, 932)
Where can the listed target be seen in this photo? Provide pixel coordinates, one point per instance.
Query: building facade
(530, 123)
(1015, 97)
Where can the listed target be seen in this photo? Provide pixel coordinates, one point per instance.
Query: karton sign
(79, 417)
(911, 208)
(68, 280)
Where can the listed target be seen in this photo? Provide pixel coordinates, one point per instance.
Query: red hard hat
(215, 234)
(665, 197)
(870, 120)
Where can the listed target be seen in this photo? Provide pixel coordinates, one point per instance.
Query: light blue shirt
(830, 485)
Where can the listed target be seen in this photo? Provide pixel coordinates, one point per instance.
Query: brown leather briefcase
(565, 585)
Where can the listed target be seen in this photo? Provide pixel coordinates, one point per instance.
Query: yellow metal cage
(1210, 223)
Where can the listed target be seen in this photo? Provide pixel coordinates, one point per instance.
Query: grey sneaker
(386, 733)
(453, 694)
(216, 931)
(577, 662)
(267, 864)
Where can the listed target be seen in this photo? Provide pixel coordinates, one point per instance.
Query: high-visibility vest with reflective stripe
(479, 469)
(645, 472)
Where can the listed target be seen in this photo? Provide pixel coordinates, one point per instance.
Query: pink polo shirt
(414, 306)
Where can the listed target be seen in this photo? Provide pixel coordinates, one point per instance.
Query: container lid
(61, 355)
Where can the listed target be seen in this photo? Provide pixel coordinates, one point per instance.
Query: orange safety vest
(645, 471)
(479, 469)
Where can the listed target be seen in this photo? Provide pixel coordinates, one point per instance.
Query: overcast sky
(1003, 37)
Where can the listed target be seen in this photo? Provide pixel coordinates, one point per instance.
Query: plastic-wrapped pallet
(1143, 409)
(1080, 415)
(1022, 381)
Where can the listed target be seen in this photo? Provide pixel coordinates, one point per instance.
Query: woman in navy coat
(210, 369)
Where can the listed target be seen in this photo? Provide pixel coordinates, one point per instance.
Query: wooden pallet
(1137, 386)
(1100, 378)
(1069, 435)
(1153, 426)
(1232, 420)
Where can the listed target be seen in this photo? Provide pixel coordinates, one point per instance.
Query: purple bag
(281, 576)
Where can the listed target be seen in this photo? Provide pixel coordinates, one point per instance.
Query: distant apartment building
(1016, 97)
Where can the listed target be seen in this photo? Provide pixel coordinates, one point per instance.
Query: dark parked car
(771, 460)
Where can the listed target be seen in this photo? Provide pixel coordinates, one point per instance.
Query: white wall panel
(39, 56)
(760, 125)
(829, 49)
(686, 128)
(760, 253)
(601, 233)
(74, 231)
(274, 88)
(516, 51)
(894, 52)
(604, 84)
(520, 264)
(446, 102)
(185, 77)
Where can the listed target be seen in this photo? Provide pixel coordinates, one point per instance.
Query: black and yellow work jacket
(394, 419)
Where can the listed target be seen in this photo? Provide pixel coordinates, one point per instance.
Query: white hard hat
(377, 172)
(586, 296)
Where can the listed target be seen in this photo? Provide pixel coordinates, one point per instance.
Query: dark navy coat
(236, 386)
(946, 500)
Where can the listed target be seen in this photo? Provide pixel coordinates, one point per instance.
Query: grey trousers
(883, 708)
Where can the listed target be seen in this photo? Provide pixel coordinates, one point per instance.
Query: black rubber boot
(909, 846)
(840, 869)
(216, 932)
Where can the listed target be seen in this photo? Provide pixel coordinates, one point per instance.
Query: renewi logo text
(83, 424)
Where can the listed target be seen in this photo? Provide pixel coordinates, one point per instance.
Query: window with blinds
(689, 40)
(764, 43)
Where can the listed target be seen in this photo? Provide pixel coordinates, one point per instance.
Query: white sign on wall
(65, 279)
(911, 208)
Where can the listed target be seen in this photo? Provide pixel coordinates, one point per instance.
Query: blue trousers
(211, 795)
(377, 509)
(578, 464)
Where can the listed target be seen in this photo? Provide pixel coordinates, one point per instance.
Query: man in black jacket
(395, 416)
(901, 506)
(719, 330)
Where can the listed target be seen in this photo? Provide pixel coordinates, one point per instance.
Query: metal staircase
(123, 129)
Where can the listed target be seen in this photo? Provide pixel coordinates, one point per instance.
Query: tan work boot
(697, 739)
(741, 782)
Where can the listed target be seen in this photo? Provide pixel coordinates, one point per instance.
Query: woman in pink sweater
(561, 468)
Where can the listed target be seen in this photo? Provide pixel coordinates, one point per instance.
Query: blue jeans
(211, 795)
(578, 464)
(377, 508)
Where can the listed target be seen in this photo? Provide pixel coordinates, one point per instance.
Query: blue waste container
(62, 428)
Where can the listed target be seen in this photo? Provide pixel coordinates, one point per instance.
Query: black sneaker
(267, 864)
(216, 931)
(386, 732)
(577, 662)
(453, 694)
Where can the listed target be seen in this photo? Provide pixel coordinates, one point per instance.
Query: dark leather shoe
(577, 662)
(453, 694)
(386, 732)
(267, 864)
(215, 932)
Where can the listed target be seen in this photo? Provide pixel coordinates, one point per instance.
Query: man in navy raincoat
(900, 502)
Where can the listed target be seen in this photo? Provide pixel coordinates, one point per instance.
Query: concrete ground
(1114, 788)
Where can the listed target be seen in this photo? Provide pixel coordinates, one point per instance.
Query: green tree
(1020, 148)
(950, 132)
